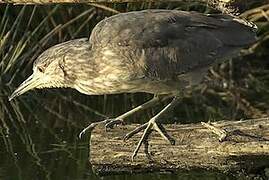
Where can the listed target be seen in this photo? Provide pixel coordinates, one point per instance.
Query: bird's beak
(28, 84)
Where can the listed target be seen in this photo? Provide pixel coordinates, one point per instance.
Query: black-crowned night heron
(162, 52)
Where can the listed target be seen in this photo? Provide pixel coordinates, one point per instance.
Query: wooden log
(246, 147)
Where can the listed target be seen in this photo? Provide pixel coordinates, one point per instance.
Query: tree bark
(225, 6)
(245, 147)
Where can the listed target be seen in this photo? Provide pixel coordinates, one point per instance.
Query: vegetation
(46, 123)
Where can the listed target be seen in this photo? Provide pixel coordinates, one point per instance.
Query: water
(39, 136)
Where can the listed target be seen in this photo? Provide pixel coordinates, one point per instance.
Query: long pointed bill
(28, 84)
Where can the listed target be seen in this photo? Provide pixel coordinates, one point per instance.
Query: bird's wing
(168, 42)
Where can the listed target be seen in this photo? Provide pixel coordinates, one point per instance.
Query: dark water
(39, 136)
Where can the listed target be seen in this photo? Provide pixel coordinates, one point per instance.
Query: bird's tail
(253, 26)
(245, 22)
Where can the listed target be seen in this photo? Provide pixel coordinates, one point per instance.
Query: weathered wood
(245, 148)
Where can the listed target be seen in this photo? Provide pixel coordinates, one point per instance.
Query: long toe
(135, 131)
(90, 127)
(112, 122)
(151, 125)
(162, 131)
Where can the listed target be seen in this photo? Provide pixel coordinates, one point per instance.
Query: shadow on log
(244, 148)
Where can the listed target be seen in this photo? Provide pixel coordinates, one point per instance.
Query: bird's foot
(149, 127)
(108, 123)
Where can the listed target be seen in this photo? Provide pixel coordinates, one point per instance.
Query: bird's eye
(40, 69)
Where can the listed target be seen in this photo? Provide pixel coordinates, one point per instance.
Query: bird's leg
(153, 124)
(120, 119)
(109, 123)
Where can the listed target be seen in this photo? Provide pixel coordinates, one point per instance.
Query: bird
(156, 51)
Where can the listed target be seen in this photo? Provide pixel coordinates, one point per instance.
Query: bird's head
(53, 68)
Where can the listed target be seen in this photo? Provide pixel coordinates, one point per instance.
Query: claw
(91, 126)
(110, 124)
(81, 134)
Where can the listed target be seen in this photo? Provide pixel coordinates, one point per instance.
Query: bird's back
(166, 45)
(156, 27)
